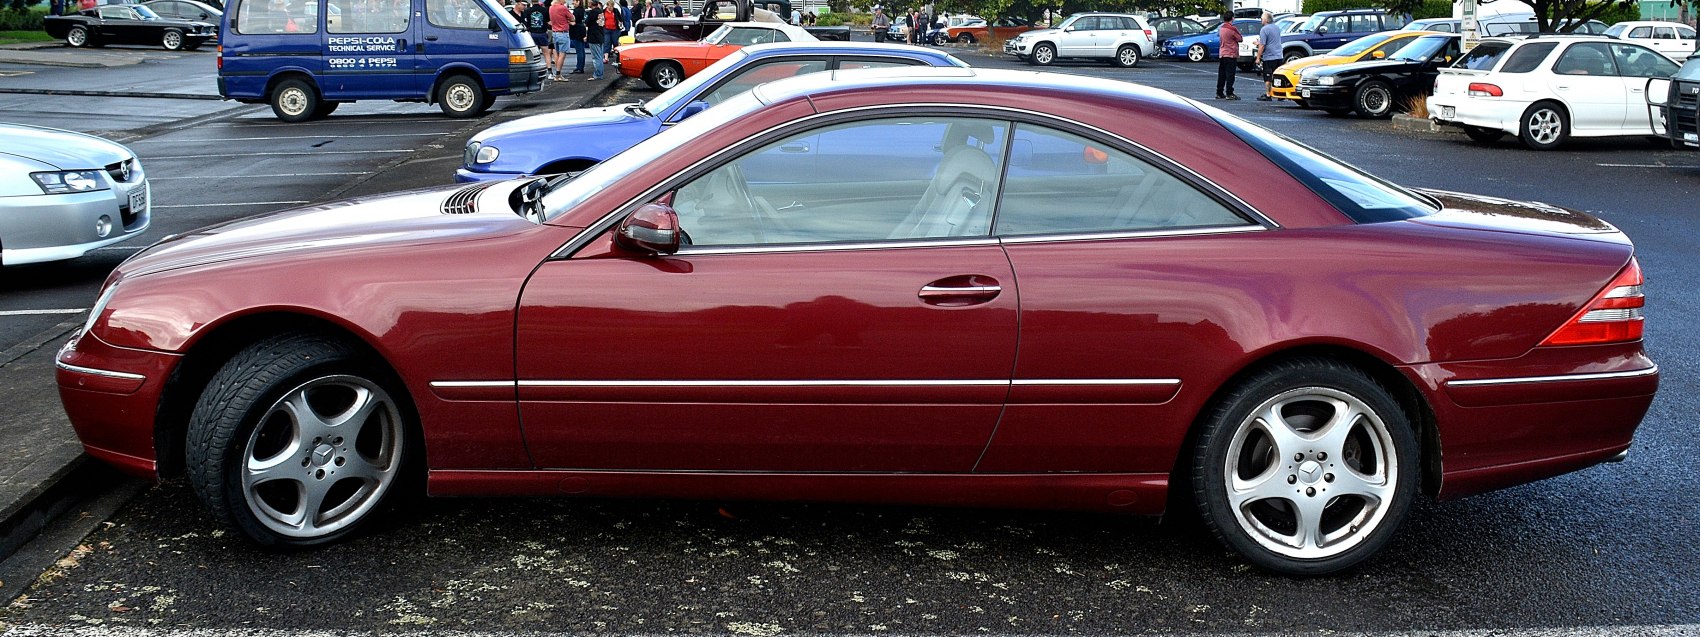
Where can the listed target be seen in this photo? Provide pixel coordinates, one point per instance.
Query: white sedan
(1547, 89)
(1674, 39)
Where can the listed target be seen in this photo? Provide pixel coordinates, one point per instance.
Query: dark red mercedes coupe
(1049, 291)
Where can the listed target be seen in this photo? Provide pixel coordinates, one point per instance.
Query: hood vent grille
(464, 201)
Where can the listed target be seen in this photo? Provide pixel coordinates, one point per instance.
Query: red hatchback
(1053, 291)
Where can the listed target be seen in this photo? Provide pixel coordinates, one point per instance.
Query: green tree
(1564, 16)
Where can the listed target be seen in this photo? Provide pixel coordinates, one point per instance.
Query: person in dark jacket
(678, 11)
(625, 18)
(578, 34)
(595, 36)
(536, 21)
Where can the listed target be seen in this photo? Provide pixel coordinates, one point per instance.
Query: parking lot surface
(1608, 550)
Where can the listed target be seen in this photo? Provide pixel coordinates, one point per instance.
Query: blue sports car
(1204, 46)
(571, 141)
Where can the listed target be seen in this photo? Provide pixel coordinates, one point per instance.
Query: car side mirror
(693, 108)
(651, 229)
(495, 25)
(1322, 30)
(1658, 91)
(1379, 55)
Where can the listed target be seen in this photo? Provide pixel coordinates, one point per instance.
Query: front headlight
(1327, 80)
(486, 154)
(60, 183)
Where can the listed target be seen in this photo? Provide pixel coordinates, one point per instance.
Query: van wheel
(172, 40)
(295, 101)
(1291, 55)
(663, 75)
(461, 97)
(325, 108)
(78, 37)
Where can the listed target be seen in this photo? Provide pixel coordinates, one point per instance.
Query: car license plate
(1448, 112)
(1305, 93)
(139, 199)
(1691, 137)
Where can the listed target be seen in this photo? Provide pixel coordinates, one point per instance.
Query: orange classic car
(977, 30)
(663, 65)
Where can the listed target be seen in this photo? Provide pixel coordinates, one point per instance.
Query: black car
(188, 10)
(1378, 88)
(128, 24)
(1173, 28)
(1675, 103)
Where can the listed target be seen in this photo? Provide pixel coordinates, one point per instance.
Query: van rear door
(368, 50)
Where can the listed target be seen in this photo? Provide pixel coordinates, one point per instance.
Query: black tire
(295, 100)
(664, 75)
(172, 40)
(1044, 54)
(461, 97)
(242, 397)
(966, 38)
(78, 37)
(1291, 54)
(1338, 112)
(1197, 53)
(1127, 56)
(193, 47)
(1299, 390)
(1483, 135)
(1302, 102)
(325, 109)
(1374, 99)
(1544, 126)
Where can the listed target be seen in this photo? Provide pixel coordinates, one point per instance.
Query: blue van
(305, 57)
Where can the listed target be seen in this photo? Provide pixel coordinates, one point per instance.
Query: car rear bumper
(1490, 113)
(42, 228)
(111, 395)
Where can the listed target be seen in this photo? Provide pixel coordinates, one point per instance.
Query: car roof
(1348, 12)
(843, 48)
(950, 79)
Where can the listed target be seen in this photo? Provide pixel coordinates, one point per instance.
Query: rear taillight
(221, 57)
(1614, 316)
(1483, 89)
(1150, 35)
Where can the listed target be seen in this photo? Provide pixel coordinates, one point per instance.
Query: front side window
(873, 180)
(762, 73)
(276, 16)
(742, 36)
(1587, 58)
(1338, 24)
(1528, 57)
(378, 16)
(116, 13)
(1432, 47)
(457, 14)
(1634, 61)
(1484, 57)
(1062, 183)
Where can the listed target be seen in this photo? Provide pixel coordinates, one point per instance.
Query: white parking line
(223, 205)
(261, 139)
(1644, 166)
(33, 630)
(42, 312)
(357, 172)
(276, 153)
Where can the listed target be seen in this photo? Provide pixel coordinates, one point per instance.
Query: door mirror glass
(1322, 30)
(1658, 91)
(651, 229)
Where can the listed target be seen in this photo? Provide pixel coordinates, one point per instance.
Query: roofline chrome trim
(1634, 373)
(1043, 382)
(603, 223)
(1093, 236)
(98, 372)
(832, 247)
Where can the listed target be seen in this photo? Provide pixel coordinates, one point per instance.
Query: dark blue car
(1207, 45)
(570, 141)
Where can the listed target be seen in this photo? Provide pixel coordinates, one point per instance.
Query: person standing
(581, 21)
(1229, 54)
(914, 26)
(560, 26)
(536, 21)
(1268, 54)
(796, 17)
(593, 36)
(678, 11)
(881, 23)
(625, 19)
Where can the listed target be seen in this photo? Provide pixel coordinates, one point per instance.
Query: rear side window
(1484, 57)
(1528, 58)
(1366, 23)
(275, 16)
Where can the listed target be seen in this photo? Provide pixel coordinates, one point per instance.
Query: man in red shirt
(560, 24)
(1229, 63)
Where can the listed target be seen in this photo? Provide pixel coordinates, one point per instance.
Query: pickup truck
(717, 12)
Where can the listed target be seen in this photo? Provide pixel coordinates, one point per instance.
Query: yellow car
(1285, 84)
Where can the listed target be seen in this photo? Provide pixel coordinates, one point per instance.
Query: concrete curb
(1402, 121)
(79, 93)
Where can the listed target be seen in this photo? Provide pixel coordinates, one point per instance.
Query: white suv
(1119, 37)
(1548, 88)
(1674, 39)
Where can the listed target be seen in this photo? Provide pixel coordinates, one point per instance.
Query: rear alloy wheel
(664, 75)
(172, 40)
(1044, 54)
(461, 97)
(1127, 57)
(1483, 135)
(966, 38)
(294, 101)
(1545, 126)
(297, 440)
(1292, 55)
(1196, 53)
(1374, 99)
(77, 37)
(1307, 468)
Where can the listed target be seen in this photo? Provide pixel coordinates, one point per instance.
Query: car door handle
(794, 147)
(430, 38)
(958, 291)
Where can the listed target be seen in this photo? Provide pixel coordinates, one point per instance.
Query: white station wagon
(1548, 88)
(1673, 39)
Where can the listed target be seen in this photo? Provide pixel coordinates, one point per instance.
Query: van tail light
(220, 57)
(1483, 89)
(1614, 316)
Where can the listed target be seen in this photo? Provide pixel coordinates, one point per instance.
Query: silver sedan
(63, 194)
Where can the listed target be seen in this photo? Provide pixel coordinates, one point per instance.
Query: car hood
(1038, 33)
(556, 122)
(399, 221)
(1523, 217)
(60, 149)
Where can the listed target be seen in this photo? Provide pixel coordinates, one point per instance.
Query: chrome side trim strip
(470, 384)
(1553, 379)
(1049, 238)
(830, 247)
(99, 372)
(804, 383)
(1097, 381)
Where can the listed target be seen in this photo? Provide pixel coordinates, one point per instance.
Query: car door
(1585, 77)
(855, 317)
(1339, 28)
(117, 24)
(458, 32)
(370, 54)
(1636, 65)
(1121, 258)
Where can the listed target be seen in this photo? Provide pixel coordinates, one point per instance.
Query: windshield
(719, 34)
(1312, 23)
(1422, 48)
(1065, 24)
(1359, 45)
(661, 103)
(1363, 197)
(1690, 70)
(1289, 25)
(146, 13)
(1617, 30)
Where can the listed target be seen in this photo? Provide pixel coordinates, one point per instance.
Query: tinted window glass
(1362, 197)
(275, 16)
(1366, 23)
(1483, 57)
(849, 65)
(1634, 61)
(1130, 24)
(1527, 57)
(1425, 47)
(379, 16)
(1063, 183)
(1586, 58)
(457, 14)
(875, 180)
(761, 73)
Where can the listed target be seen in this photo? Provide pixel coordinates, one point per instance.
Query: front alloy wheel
(1196, 53)
(1308, 468)
(1375, 99)
(172, 40)
(1044, 54)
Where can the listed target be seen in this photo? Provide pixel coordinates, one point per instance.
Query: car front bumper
(1018, 48)
(43, 228)
(111, 395)
(1327, 97)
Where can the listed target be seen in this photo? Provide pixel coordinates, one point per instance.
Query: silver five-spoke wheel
(322, 456)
